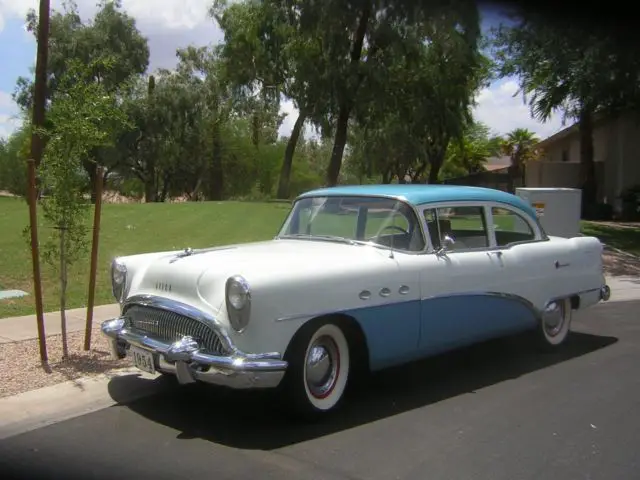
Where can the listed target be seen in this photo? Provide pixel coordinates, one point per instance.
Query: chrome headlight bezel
(238, 301)
(118, 279)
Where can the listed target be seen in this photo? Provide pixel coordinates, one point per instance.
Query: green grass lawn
(624, 238)
(126, 229)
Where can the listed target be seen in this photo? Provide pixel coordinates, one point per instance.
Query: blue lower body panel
(406, 331)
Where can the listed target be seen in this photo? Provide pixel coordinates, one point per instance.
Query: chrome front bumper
(184, 359)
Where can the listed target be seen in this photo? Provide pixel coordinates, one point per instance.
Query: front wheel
(555, 323)
(319, 368)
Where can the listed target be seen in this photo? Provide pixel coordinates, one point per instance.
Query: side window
(465, 225)
(509, 227)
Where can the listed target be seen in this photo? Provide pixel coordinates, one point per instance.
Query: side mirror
(446, 244)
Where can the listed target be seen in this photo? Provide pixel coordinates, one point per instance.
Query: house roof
(572, 129)
(420, 194)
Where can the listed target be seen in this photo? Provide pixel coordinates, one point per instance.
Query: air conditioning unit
(558, 209)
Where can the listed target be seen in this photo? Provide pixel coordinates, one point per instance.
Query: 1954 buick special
(358, 278)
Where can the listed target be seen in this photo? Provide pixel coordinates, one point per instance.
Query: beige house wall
(616, 145)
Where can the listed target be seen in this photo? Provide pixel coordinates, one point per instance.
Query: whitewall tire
(555, 323)
(319, 368)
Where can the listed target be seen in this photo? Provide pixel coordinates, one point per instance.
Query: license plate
(143, 359)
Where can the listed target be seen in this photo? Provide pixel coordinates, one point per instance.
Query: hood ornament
(185, 253)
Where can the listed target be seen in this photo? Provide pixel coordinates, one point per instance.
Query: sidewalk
(15, 329)
(624, 288)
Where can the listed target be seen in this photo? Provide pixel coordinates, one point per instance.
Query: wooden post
(35, 258)
(40, 84)
(94, 259)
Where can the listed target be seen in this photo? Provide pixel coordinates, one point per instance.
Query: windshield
(382, 221)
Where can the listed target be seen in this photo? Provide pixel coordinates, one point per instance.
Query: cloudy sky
(169, 24)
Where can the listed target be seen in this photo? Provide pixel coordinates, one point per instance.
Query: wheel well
(575, 302)
(353, 332)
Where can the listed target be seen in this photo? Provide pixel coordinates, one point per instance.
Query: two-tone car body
(358, 278)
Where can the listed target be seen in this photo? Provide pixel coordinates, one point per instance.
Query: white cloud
(502, 111)
(6, 102)
(9, 120)
(173, 14)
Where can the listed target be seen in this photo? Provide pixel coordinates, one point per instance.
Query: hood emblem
(187, 252)
(163, 287)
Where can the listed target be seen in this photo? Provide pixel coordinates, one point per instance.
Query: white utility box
(558, 209)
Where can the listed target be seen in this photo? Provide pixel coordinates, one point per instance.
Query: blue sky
(169, 24)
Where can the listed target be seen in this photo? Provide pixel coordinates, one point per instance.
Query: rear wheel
(319, 369)
(555, 323)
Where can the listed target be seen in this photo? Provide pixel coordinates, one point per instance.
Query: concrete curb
(39, 408)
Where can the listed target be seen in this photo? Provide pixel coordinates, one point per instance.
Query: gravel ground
(618, 263)
(22, 371)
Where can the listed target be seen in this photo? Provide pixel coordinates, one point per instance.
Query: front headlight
(238, 299)
(118, 279)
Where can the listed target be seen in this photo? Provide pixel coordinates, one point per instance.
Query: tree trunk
(150, 190)
(216, 177)
(63, 292)
(346, 103)
(92, 171)
(40, 87)
(510, 176)
(285, 172)
(587, 165)
(387, 176)
(434, 172)
(338, 145)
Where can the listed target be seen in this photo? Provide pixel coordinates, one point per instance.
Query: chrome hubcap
(322, 367)
(554, 318)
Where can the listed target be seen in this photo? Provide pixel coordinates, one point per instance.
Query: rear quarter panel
(559, 267)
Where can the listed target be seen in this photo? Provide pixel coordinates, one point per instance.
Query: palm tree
(520, 146)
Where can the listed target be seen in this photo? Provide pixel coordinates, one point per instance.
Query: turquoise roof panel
(420, 194)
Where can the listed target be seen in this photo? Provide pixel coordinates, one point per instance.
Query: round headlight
(238, 292)
(118, 272)
(118, 279)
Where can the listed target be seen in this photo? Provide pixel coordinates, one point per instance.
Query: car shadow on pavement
(253, 419)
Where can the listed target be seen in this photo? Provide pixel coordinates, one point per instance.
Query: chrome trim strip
(511, 296)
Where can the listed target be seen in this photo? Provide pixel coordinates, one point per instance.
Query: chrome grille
(169, 326)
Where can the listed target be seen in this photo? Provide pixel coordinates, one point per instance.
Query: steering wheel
(396, 227)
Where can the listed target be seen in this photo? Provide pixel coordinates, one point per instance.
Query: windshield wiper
(331, 238)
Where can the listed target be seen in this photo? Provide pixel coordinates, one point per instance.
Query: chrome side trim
(535, 310)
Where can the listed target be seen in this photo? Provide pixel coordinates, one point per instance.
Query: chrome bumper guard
(184, 359)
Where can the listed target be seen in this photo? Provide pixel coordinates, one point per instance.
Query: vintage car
(359, 278)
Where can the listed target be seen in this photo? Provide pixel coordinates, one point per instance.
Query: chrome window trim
(414, 208)
(540, 235)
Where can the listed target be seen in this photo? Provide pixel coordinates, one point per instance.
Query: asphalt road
(494, 411)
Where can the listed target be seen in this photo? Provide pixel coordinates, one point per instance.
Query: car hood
(201, 276)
